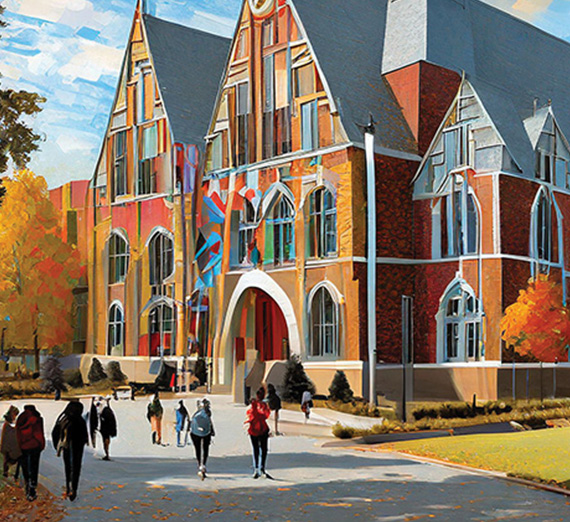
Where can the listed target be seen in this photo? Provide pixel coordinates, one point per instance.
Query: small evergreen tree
(96, 372)
(73, 377)
(52, 375)
(115, 373)
(201, 370)
(296, 381)
(340, 388)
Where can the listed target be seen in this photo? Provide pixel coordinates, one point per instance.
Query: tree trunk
(36, 352)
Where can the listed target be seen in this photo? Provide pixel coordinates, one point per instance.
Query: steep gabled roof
(347, 38)
(189, 64)
(535, 124)
(508, 61)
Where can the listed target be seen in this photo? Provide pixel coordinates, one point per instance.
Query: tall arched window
(542, 216)
(280, 231)
(161, 257)
(249, 219)
(324, 324)
(161, 329)
(118, 258)
(321, 233)
(460, 325)
(116, 337)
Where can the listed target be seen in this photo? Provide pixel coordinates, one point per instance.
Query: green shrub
(52, 375)
(115, 373)
(340, 388)
(296, 381)
(96, 371)
(343, 432)
(73, 378)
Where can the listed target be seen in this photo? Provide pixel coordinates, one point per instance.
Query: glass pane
(306, 126)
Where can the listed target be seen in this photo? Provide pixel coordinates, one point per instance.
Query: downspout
(369, 131)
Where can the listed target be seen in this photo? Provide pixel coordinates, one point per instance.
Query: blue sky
(70, 51)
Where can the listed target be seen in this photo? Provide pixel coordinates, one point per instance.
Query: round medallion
(261, 7)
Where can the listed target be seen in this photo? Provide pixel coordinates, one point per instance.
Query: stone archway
(256, 296)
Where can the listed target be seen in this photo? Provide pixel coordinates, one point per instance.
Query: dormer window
(552, 156)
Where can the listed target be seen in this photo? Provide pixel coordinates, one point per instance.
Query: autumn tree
(38, 271)
(17, 139)
(538, 323)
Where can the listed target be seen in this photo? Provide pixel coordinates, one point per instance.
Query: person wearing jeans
(258, 430)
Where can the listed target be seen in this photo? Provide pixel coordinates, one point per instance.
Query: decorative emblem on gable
(261, 8)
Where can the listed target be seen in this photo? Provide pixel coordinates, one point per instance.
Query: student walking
(69, 436)
(9, 446)
(107, 427)
(258, 430)
(154, 415)
(181, 419)
(93, 421)
(274, 403)
(31, 439)
(306, 404)
(201, 433)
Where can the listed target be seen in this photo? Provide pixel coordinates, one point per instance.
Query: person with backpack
(258, 430)
(201, 433)
(306, 404)
(274, 403)
(31, 439)
(107, 427)
(9, 446)
(154, 414)
(69, 436)
(181, 418)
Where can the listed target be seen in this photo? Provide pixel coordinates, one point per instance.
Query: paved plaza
(310, 483)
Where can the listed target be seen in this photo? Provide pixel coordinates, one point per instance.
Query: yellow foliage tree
(38, 270)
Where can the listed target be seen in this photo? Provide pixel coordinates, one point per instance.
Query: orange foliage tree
(38, 271)
(538, 323)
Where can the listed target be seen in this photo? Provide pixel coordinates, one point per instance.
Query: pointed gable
(347, 39)
(189, 65)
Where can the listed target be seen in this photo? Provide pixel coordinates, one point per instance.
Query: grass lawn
(542, 455)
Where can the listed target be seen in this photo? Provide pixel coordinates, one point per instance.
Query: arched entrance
(260, 328)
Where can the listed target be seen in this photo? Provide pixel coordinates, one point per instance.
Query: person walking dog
(69, 437)
(258, 430)
(201, 433)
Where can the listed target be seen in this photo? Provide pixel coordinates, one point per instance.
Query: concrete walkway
(311, 483)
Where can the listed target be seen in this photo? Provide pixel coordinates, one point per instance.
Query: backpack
(60, 434)
(201, 424)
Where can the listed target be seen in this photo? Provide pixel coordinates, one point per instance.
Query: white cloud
(13, 73)
(93, 60)
(76, 142)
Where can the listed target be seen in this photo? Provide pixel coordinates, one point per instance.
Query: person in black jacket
(69, 437)
(107, 427)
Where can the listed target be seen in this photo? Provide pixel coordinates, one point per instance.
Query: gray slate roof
(189, 64)
(347, 37)
(508, 61)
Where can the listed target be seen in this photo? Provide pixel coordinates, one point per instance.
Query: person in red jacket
(30, 434)
(258, 430)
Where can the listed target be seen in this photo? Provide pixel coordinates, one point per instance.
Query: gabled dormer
(467, 140)
(551, 149)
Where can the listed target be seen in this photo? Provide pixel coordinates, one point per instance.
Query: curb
(488, 473)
